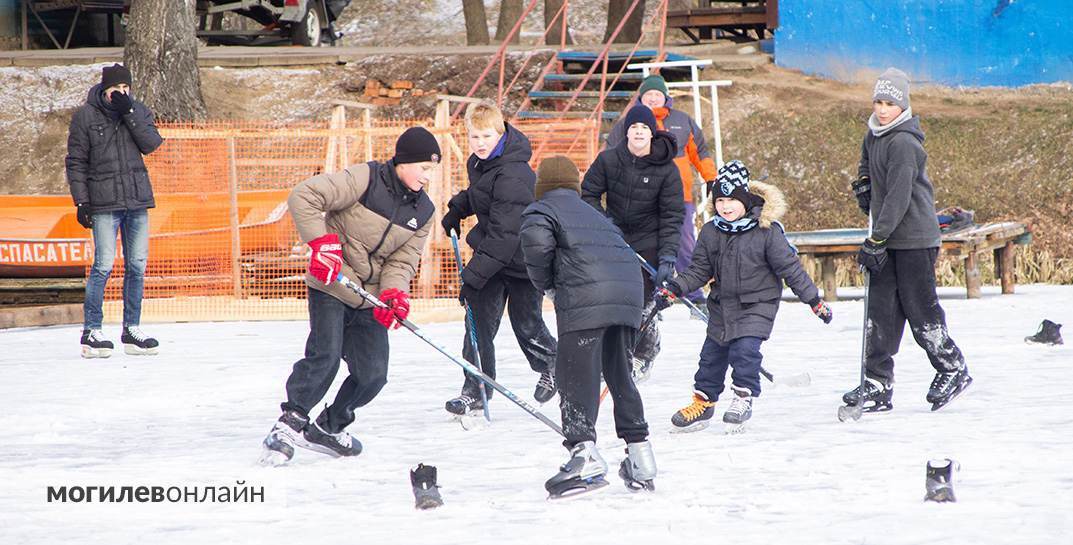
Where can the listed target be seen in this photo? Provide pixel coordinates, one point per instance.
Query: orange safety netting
(222, 243)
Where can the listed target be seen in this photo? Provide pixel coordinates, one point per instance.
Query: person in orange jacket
(692, 154)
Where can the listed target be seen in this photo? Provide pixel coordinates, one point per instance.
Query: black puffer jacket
(749, 269)
(579, 253)
(644, 194)
(499, 190)
(104, 156)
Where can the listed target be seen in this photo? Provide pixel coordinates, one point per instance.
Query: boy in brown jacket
(368, 222)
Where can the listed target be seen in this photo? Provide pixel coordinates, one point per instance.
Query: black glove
(467, 293)
(85, 217)
(452, 220)
(862, 189)
(821, 310)
(121, 102)
(665, 272)
(873, 255)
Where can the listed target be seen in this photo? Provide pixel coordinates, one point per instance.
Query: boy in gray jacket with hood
(900, 252)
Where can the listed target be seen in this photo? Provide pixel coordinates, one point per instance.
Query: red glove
(398, 308)
(327, 258)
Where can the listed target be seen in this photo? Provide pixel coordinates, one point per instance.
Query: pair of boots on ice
(135, 342)
(469, 401)
(877, 395)
(585, 470)
(294, 429)
(696, 415)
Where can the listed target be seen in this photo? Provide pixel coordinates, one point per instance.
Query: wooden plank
(38, 316)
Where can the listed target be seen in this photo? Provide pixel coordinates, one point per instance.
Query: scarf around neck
(879, 130)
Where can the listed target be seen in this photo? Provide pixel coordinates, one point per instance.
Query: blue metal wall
(956, 42)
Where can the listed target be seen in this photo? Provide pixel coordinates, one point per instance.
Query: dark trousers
(648, 341)
(905, 291)
(741, 354)
(523, 303)
(583, 355)
(338, 331)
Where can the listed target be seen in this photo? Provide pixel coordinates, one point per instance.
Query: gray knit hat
(892, 86)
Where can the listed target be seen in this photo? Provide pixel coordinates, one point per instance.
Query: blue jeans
(743, 354)
(134, 225)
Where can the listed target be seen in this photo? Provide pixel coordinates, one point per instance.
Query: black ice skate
(740, 411)
(464, 404)
(638, 470)
(695, 416)
(426, 491)
(281, 440)
(946, 386)
(584, 472)
(137, 343)
(94, 345)
(333, 444)
(877, 397)
(545, 388)
(1049, 333)
(939, 480)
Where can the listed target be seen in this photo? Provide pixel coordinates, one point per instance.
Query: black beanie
(641, 114)
(416, 145)
(114, 75)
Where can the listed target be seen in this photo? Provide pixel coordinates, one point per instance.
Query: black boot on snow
(426, 491)
(939, 480)
(545, 388)
(95, 345)
(333, 444)
(1049, 333)
(137, 343)
(947, 385)
(464, 404)
(582, 473)
(877, 396)
(282, 438)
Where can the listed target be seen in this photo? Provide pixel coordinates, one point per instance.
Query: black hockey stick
(477, 373)
(802, 379)
(471, 321)
(854, 412)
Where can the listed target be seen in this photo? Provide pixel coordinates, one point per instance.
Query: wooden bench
(830, 244)
(736, 19)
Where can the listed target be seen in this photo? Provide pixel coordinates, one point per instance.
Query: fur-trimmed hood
(773, 209)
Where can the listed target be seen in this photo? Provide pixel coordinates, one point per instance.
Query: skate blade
(579, 489)
(941, 496)
(274, 452)
(940, 405)
(734, 429)
(134, 350)
(696, 426)
(640, 486)
(89, 353)
(425, 504)
(473, 421)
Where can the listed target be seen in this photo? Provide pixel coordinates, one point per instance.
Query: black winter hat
(557, 172)
(641, 114)
(733, 182)
(114, 75)
(416, 145)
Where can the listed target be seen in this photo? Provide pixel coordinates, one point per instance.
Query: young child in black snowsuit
(900, 253)
(578, 257)
(743, 248)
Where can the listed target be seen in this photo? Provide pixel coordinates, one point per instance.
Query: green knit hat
(653, 82)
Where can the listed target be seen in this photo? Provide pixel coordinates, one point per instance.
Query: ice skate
(946, 386)
(740, 411)
(278, 446)
(695, 416)
(939, 480)
(95, 345)
(337, 445)
(545, 387)
(426, 491)
(137, 343)
(583, 473)
(638, 470)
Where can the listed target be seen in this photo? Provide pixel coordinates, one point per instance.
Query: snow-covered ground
(194, 416)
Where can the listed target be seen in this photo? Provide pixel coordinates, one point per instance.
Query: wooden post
(972, 274)
(25, 26)
(236, 248)
(1006, 258)
(367, 124)
(828, 266)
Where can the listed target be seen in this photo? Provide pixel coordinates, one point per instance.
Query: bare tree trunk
(509, 12)
(161, 53)
(631, 31)
(551, 8)
(476, 22)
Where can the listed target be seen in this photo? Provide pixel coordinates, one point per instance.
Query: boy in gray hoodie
(900, 252)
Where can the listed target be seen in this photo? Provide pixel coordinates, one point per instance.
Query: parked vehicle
(303, 22)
